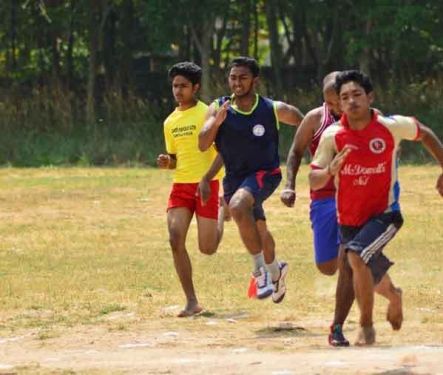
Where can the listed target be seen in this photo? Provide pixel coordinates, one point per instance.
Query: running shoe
(260, 285)
(336, 337)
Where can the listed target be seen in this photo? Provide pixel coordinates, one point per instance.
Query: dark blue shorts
(260, 184)
(323, 216)
(369, 240)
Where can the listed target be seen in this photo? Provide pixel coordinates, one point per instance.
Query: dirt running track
(228, 345)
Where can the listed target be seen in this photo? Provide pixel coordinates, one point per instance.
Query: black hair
(187, 69)
(353, 76)
(248, 62)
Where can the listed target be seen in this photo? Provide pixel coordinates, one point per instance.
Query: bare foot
(394, 314)
(190, 310)
(366, 336)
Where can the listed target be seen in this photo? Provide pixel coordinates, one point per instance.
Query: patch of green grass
(111, 308)
(81, 243)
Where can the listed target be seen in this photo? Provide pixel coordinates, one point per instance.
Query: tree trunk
(220, 34)
(365, 57)
(13, 36)
(204, 47)
(127, 32)
(256, 28)
(70, 49)
(246, 27)
(109, 60)
(94, 17)
(276, 51)
(330, 43)
(55, 51)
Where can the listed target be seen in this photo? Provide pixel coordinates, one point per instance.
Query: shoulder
(202, 106)
(332, 130)
(268, 102)
(396, 120)
(277, 104)
(280, 107)
(329, 136)
(311, 121)
(402, 127)
(201, 109)
(314, 115)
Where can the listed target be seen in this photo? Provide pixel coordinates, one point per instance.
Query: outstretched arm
(302, 139)
(435, 148)
(288, 114)
(214, 118)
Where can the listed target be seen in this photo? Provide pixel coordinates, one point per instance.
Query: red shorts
(184, 195)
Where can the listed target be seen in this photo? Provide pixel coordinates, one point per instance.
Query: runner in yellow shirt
(181, 129)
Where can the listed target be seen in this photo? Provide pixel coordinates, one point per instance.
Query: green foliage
(81, 82)
(40, 133)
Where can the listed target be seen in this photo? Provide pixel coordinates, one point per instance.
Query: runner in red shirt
(360, 153)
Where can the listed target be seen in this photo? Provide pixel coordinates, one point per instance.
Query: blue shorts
(260, 184)
(369, 240)
(323, 217)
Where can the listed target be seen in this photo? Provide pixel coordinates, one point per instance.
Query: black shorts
(369, 240)
(260, 184)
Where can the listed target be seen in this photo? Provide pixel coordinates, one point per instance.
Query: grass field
(84, 253)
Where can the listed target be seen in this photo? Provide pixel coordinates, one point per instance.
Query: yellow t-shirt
(181, 129)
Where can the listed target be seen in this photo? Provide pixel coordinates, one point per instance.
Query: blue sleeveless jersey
(249, 142)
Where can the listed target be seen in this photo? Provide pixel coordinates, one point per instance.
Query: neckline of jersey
(243, 112)
(197, 104)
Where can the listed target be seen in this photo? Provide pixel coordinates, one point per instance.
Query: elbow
(202, 145)
(298, 154)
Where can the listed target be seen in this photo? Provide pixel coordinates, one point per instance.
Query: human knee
(176, 240)
(237, 209)
(379, 266)
(327, 268)
(208, 248)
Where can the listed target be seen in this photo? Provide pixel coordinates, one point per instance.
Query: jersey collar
(235, 108)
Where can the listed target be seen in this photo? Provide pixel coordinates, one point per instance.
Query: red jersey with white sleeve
(328, 191)
(367, 183)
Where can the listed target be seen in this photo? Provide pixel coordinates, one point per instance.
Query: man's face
(183, 90)
(241, 81)
(331, 99)
(354, 101)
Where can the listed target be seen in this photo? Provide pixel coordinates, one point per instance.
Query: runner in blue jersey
(244, 127)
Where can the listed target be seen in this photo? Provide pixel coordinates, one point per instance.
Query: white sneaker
(280, 285)
(263, 283)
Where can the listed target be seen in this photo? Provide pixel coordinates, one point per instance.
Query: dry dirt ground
(217, 344)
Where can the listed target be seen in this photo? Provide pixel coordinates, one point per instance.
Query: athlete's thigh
(325, 230)
(207, 232)
(179, 219)
(261, 185)
(375, 234)
(207, 216)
